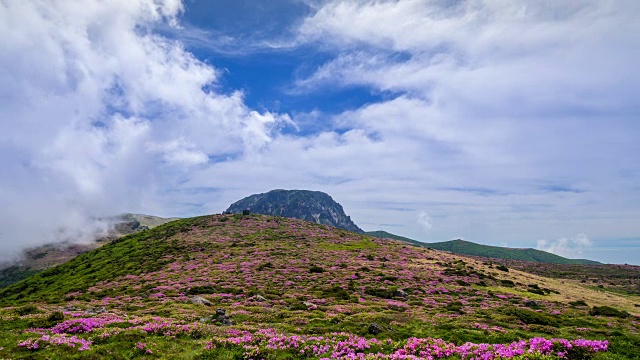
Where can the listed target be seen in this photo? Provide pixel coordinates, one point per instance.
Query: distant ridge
(470, 248)
(387, 235)
(314, 206)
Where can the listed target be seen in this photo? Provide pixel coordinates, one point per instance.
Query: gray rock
(531, 303)
(207, 319)
(222, 318)
(199, 300)
(260, 298)
(95, 311)
(306, 303)
(374, 329)
(400, 293)
(69, 309)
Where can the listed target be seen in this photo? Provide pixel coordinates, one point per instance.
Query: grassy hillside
(620, 279)
(386, 235)
(616, 278)
(470, 248)
(252, 287)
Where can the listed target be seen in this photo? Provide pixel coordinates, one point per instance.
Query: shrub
(608, 311)
(531, 317)
(378, 292)
(455, 306)
(315, 269)
(337, 292)
(56, 316)
(502, 268)
(207, 289)
(507, 283)
(537, 291)
(26, 310)
(264, 266)
(578, 303)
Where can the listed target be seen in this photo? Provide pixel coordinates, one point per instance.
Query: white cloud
(100, 114)
(424, 220)
(571, 247)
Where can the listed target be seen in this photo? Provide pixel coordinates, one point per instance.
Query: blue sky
(507, 123)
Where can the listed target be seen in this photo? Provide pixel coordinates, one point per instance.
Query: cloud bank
(570, 247)
(99, 114)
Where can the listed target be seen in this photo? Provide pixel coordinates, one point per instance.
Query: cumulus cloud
(570, 247)
(487, 106)
(100, 114)
(512, 97)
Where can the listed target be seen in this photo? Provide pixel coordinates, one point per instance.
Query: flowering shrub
(59, 339)
(348, 346)
(83, 325)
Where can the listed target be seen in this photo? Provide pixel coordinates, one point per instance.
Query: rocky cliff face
(314, 206)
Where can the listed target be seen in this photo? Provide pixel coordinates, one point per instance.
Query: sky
(503, 122)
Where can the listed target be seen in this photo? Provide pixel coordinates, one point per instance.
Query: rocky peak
(314, 206)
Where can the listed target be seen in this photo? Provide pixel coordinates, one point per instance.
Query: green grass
(363, 244)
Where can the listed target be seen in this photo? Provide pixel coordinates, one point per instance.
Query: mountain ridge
(464, 247)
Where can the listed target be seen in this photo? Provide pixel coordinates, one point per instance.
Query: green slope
(232, 286)
(469, 248)
(386, 235)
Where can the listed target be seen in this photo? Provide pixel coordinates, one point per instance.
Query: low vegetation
(253, 287)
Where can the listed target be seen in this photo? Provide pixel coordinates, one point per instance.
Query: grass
(144, 282)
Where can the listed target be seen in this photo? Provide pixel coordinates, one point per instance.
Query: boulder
(374, 329)
(400, 293)
(222, 318)
(199, 300)
(95, 311)
(69, 309)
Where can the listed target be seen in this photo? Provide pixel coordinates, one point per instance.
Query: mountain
(532, 255)
(240, 287)
(45, 256)
(470, 248)
(387, 235)
(314, 206)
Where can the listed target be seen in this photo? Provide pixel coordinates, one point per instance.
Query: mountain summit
(314, 206)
